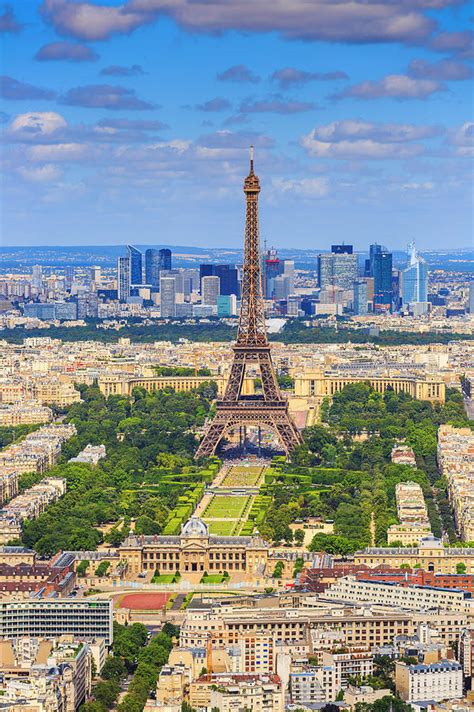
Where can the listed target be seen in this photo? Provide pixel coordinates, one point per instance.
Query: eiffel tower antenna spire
(269, 410)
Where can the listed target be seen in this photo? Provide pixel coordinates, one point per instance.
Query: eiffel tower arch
(269, 410)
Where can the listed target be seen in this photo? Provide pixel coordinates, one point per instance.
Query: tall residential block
(123, 278)
(37, 276)
(210, 290)
(360, 297)
(168, 297)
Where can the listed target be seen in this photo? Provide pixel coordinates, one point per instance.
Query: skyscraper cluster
(379, 286)
(134, 272)
(213, 289)
(152, 277)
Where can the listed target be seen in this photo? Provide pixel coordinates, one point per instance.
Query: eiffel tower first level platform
(270, 410)
(272, 415)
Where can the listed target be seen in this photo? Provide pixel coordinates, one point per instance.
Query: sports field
(142, 601)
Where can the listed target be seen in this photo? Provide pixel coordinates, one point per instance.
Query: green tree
(113, 669)
(92, 706)
(298, 536)
(82, 567)
(106, 692)
(332, 544)
(102, 568)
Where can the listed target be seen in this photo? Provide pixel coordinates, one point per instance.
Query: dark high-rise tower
(155, 262)
(152, 267)
(165, 258)
(136, 267)
(270, 409)
(381, 270)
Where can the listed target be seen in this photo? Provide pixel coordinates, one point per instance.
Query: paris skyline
(131, 122)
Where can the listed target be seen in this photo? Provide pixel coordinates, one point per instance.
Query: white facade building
(437, 681)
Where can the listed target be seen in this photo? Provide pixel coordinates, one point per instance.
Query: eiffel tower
(269, 410)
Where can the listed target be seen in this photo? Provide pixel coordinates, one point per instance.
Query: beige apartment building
(24, 414)
(12, 390)
(410, 534)
(8, 485)
(456, 461)
(296, 626)
(173, 683)
(411, 505)
(232, 693)
(364, 695)
(54, 391)
(413, 515)
(430, 555)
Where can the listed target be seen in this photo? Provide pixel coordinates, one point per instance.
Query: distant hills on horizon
(15, 257)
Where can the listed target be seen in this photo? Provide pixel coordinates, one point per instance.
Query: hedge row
(258, 510)
(183, 510)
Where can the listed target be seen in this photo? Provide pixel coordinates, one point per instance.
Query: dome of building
(195, 527)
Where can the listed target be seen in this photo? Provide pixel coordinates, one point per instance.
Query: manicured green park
(227, 527)
(225, 507)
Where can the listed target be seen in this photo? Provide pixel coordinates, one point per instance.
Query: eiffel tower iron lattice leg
(235, 410)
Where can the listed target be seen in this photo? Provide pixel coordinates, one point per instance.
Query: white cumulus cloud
(39, 123)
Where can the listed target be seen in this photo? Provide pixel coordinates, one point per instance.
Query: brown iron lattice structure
(270, 410)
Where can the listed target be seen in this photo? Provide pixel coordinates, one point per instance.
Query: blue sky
(130, 122)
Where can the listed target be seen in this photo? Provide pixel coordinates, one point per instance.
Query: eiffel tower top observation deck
(252, 330)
